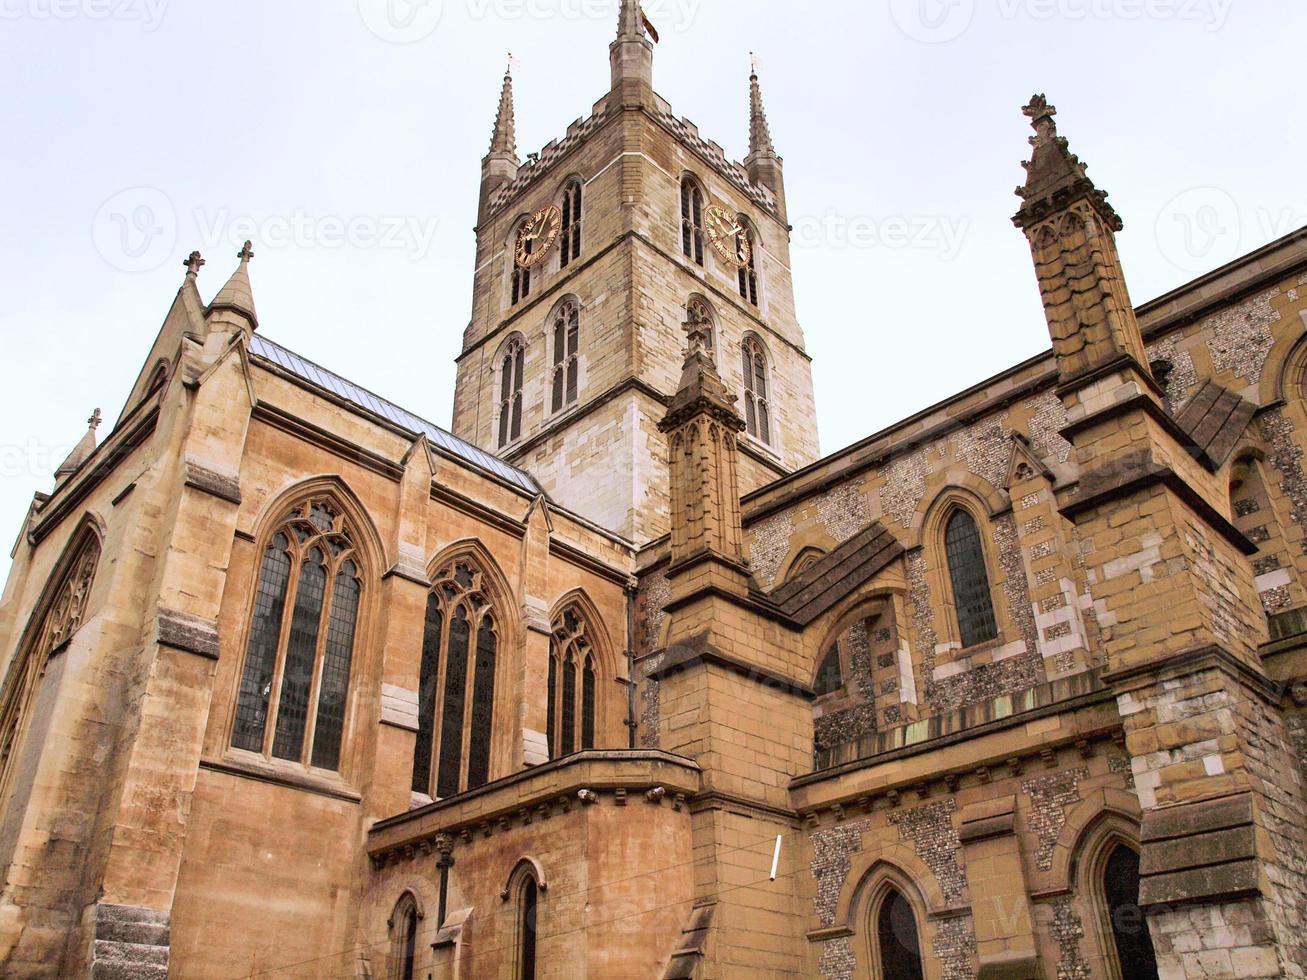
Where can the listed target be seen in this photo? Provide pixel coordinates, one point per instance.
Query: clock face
(727, 236)
(538, 236)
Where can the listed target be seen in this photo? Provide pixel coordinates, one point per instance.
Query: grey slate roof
(314, 374)
(837, 574)
(1214, 420)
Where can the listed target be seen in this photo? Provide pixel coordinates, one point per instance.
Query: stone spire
(765, 167)
(1055, 177)
(236, 299)
(81, 452)
(631, 57)
(500, 165)
(759, 132)
(503, 141)
(702, 425)
(1071, 229)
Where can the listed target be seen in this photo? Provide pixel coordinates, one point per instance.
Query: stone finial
(247, 252)
(83, 451)
(1055, 177)
(193, 264)
(1041, 119)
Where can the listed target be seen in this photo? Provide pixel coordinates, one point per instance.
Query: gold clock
(538, 236)
(727, 236)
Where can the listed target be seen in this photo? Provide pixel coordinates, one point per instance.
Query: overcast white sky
(137, 130)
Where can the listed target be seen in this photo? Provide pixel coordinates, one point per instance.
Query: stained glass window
(573, 683)
(432, 636)
(829, 677)
(309, 590)
(971, 594)
(461, 631)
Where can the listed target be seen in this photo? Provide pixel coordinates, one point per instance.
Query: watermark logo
(147, 13)
(932, 233)
(298, 229)
(1200, 229)
(136, 229)
(933, 21)
(402, 21)
(941, 21)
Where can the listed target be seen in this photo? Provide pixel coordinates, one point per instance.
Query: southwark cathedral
(617, 678)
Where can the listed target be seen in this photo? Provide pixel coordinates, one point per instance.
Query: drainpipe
(631, 592)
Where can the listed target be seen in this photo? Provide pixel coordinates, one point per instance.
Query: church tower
(591, 255)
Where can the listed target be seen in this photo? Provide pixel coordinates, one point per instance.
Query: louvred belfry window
(299, 656)
(512, 371)
(692, 220)
(521, 285)
(567, 346)
(748, 274)
(572, 686)
(970, 578)
(757, 401)
(569, 242)
(456, 689)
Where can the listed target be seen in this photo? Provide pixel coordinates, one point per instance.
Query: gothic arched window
(698, 311)
(460, 645)
(521, 287)
(566, 344)
(298, 658)
(757, 398)
(572, 686)
(1130, 936)
(970, 577)
(512, 369)
(404, 939)
(748, 274)
(897, 940)
(830, 676)
(692, 220)
(63, 614)
(528, 914)
(569, 240)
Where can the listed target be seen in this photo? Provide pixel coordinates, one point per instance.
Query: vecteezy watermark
(410, 21)
(147, 13)
(665, 15)
(33, 460)
(1200, 229)
(933, 21)
(934, 233)
(402, 21)
(136, 229)
(299, 229)
(940, 21)
(1203, 228)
